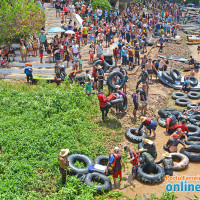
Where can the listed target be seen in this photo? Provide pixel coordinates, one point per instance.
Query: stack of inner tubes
(87, 177)
(192, 152)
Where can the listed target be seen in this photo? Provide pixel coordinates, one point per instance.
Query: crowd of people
(130, 29)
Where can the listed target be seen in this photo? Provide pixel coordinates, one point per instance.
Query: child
(80, 64)
(91, 52)
(41, 49)
(88, 86)
(76, 62)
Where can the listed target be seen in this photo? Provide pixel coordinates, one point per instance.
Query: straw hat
(142, 119)
(146, 141)
(166, 154)
(141, 150)
(117, 86)
(116, 149)
(64, 152)
(99, 67)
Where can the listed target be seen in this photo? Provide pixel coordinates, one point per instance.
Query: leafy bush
(19, 17)
(36, 123)
(104, 4)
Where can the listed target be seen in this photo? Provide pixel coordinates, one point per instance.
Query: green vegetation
(19, 17)
(104, 4)
(36, 122)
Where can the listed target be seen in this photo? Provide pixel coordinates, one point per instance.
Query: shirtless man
(63, 163)
(149, 68)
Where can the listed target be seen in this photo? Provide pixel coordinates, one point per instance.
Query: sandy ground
(159, 97)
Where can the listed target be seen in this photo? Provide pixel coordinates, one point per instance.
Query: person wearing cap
(135, 102)
(103, 106)
(150, 147)
(147, 161)
(168, 164)
(117, 169)
(143, 78)
(133, 159)
(100, 76)
(173, 142)
(180, 133)
(63, 163)
(149, 123)
(171, 123)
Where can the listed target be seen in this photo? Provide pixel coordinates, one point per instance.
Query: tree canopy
(19, 17)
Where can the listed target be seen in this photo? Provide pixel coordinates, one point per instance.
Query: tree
(19, 17)
(103, 4)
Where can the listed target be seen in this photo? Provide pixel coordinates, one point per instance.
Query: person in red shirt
(78, 38)
(102, 103)
(94, 74)
(183, 126)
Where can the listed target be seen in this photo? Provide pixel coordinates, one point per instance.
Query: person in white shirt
(75, 48)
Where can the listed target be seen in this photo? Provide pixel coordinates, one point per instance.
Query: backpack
(112, 160)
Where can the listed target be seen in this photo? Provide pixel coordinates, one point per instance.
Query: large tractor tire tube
(167, 77)
(105, 183)
(192, 152)
(191, 106)
(150, 43)
(193, 130)
(194, 95)
(151, 178)
(132, 137)
(182, 102)
(125, 103)
(117, 101)
(183, 161)
(165, 147)
(177, 95)
(193, 80)
(103, 160)
(112, 74)
(81, 158)
(194, 118)
(162, 122)
(175, 74)
(163, 112)
(192, 140)
(104, 67)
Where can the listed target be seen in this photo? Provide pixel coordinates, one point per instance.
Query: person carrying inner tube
(173, 142)
(186, 85)
(150, 147)
(171, 123)
(116, 165)
(180, 133)
(102, 103)
(63, 164)
(143, 78)
(101, 57)
(148, 161)
(149, 123)
(167, 163)
(133, 159)
(100, 75)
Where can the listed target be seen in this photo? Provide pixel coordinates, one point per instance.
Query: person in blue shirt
(28, 71)
(161, 40)
(106, 14)
(124, 56)
(135, 102)
(186, 85)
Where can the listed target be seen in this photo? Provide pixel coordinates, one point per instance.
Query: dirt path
(159, 97)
